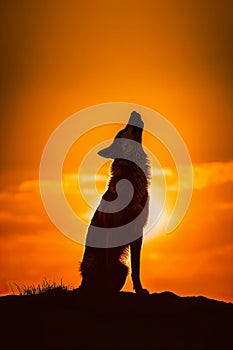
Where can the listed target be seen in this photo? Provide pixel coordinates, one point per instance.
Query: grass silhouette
(45, 287)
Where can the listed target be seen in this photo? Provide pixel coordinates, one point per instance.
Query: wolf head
(126, 140)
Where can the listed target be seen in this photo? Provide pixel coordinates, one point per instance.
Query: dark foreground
(126, 321)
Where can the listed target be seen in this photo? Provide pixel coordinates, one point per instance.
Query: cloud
(222, 206)
(6, 216)
(21, 206)
(208, 174)
(5, 195)
(21, 209)
(84, 178)
(29, 186)
(162, 172)
(204, 175)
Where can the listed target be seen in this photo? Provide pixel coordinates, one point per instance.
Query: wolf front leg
(135, 253)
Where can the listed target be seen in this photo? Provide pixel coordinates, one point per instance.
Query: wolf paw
(142, 291)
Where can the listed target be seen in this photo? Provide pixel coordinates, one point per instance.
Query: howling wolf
(117, 225)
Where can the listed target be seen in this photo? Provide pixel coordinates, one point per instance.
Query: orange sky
(174, 57)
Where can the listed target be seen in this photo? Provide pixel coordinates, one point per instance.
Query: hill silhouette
(71, 320)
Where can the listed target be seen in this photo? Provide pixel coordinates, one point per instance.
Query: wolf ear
(114, 151)
(107, 152)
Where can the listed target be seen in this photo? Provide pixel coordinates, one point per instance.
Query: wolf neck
(138, 174)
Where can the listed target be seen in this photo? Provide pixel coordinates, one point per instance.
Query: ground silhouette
(72, 320)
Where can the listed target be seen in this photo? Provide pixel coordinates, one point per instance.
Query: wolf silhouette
(116, 232)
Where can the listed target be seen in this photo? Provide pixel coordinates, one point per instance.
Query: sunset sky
(174, 57)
